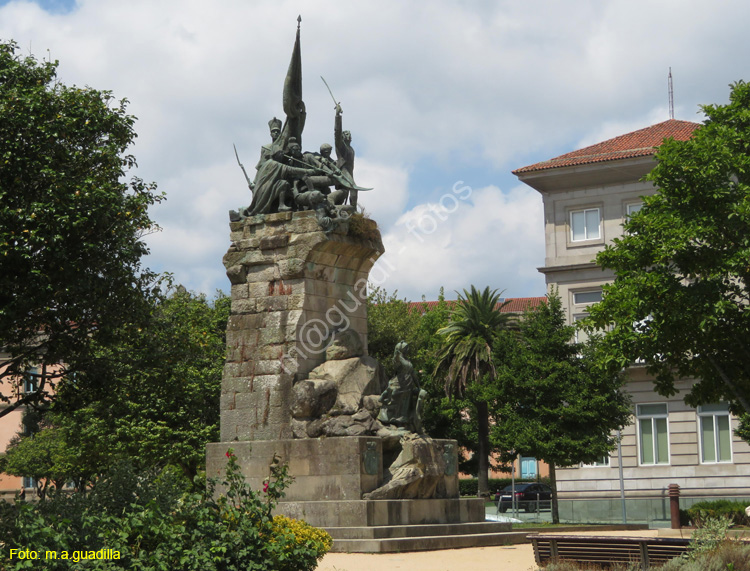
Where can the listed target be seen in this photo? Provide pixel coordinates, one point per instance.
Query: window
(582, 297)
(581, 301)
(584, 224)
(581, 334)
(30, 380)
(632, 208)
(528, 467)
(653, 435)
(28, 426)
(601, 462)
(29, 482)
(715, 433)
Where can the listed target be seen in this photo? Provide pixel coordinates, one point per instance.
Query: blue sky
(52, 6)
(438, 95)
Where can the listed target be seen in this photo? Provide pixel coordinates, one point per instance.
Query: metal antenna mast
(671, 96)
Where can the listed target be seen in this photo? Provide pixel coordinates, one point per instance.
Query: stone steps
(397, 538)
(394, 531)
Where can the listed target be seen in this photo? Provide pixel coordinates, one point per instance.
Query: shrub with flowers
(307, 541)
(153, 528)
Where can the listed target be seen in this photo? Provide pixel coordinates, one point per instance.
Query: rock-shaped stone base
(355, 378)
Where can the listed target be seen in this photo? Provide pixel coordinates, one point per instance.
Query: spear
(250, 184)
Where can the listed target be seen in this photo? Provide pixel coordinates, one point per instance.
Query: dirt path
(505, 558)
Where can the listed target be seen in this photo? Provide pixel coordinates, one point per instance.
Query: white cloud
(390, 190)
(195, 232)
(480, 87)
(487, 238)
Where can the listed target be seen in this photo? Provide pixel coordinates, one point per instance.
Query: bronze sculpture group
(288, 179)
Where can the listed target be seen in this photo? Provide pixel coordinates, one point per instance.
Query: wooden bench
(606, 550)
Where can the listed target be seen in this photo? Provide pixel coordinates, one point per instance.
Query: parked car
(528, 497)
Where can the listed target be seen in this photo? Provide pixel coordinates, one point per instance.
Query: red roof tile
(515, 305)
(521, 304)
(639, 143)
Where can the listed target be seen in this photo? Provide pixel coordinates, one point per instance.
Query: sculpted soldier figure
(273, 183)
(266, 151)
(403, 398)
(344, 160)
(324, 164)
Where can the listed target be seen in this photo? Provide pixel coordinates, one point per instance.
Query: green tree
(680, 300)
(70, 230)
(557, 403)
(155, 401)
(466, 363)
(45, 456)
(391, 319)
(158, 401)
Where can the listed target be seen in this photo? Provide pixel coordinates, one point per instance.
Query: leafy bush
(729, 556)
(305, 543)
(711, 550)
(154, 526)
(735, 511)
(711, 533)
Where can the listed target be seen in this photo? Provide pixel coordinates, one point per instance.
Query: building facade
(587, 195)
(10, 425)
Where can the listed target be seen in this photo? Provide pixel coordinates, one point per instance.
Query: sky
(443, 98)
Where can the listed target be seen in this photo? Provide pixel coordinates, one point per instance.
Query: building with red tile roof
(640, 143)
(515, 305)
(587, 195)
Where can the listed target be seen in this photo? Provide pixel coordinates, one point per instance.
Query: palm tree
(466, 358)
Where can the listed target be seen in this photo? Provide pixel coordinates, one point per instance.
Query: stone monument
(298, 382)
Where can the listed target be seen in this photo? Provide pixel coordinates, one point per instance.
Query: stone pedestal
(332, 474)
(342, 468)
(294, 287)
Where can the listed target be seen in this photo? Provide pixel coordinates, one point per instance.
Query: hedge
(734, 510)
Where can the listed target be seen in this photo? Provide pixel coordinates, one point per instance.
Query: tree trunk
(483, 449)
(553, 484)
